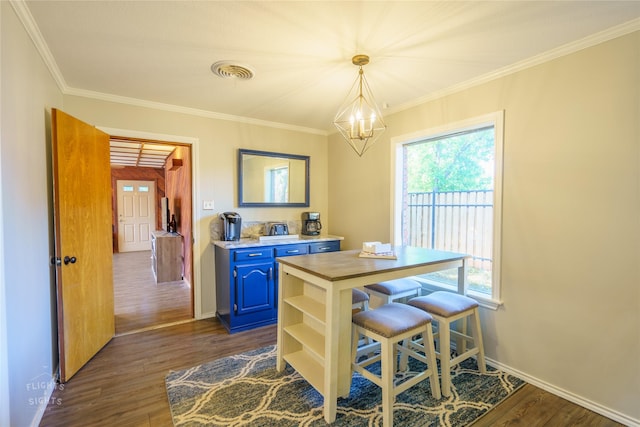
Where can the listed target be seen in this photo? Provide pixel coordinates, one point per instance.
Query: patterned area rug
(246, 390)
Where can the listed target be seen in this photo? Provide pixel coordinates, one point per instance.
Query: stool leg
(477, 340)
(404, 357)
(430, 353)
(461, 343)
(388, 372)
(365, 307)
(355, 338)
(445, 356)
(436, 331)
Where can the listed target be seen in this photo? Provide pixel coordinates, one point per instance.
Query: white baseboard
(46, 398)
(206, 315)
(571, 397)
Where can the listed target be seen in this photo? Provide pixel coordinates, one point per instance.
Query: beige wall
(571, 222)
(571, 232)
(28, 334)
(215, 168)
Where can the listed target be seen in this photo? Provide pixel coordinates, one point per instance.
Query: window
(447, 196)
(277, 184)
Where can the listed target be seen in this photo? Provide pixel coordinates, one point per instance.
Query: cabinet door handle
(256, 254)
(293, 251)
(324, 248)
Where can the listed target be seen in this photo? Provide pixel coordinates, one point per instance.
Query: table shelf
(312, 340)
(308, 367)
(308, 306)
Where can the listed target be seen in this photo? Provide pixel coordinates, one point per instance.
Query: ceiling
(139, 153)
(160, 53)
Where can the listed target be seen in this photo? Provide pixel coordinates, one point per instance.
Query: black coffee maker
(231, 225)
(311, 225)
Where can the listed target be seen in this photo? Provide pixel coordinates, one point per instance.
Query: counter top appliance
(311, 224)
(231, 226)
(277, 229)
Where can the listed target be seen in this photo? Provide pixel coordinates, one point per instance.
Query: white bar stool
(446, 308)
(392, 290)
(389, 325)
(359, 299)
(360, 302)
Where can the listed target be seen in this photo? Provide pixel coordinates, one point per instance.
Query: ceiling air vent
(228, 70)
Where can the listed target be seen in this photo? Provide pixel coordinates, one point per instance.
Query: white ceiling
(161, 52)
(136, 153)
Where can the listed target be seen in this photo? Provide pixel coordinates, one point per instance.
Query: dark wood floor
(534, 407)
(124, 385)
(140, 302)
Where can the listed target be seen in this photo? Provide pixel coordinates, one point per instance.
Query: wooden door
(136, 214)
(83, 242)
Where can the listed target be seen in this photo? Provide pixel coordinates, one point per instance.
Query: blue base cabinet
(247, 282)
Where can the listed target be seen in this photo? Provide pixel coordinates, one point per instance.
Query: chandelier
(359, 119)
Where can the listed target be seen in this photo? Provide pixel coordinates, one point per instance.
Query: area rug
(246, 390)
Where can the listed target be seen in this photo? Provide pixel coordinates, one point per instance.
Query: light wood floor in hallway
(140, 302)
(123, 385)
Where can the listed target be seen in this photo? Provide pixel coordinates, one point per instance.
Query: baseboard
(207, 315)
(571, 397)
(44, 401)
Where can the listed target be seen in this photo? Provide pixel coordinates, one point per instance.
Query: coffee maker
(311, 225)
(231, 225)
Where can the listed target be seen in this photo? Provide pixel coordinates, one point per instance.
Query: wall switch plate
(207, 205)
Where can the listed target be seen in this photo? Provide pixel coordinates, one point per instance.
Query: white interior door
(136, 214)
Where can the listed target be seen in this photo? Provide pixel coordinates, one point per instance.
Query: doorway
(140, 302)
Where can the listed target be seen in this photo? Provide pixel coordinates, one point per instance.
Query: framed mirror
(268, 179)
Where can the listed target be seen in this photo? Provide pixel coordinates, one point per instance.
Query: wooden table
(314, 309)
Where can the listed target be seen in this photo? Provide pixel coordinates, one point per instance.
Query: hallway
(140, 302)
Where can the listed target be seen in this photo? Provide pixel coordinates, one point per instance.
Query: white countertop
(251, 243)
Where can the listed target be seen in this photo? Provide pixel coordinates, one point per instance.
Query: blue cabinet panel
(329, 246)
(255, 290)
(290, 250)
(247, 282)
(252, 254)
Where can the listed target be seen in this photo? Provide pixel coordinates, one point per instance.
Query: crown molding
(26, 18)
(569, 48)
(32, 29)
(24, 14)
(187, 110)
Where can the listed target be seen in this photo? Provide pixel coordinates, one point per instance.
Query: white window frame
(495, 119)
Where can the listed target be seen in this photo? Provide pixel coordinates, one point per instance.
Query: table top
(341, 265)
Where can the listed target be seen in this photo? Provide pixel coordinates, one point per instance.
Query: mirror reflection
(272, 179)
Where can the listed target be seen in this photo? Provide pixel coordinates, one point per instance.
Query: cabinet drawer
(252, 254)
(330, 246)
(290, 250)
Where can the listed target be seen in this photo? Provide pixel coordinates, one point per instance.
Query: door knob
(68, 260)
